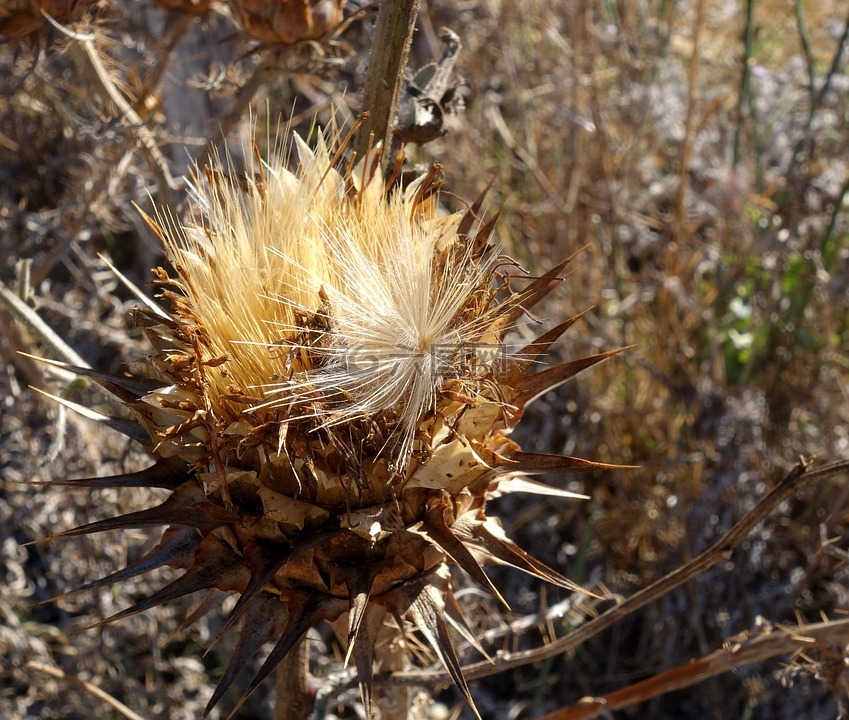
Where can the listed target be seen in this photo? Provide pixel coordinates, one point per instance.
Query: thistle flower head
(333, 301)
(328, 402)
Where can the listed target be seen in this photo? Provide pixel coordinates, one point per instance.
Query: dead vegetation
(699, 149)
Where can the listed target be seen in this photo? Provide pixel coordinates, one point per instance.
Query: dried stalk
(396, 21)
(88, 687)
(720, 551)
(40, 329)
(156, 160)
(292, 700)
(777, 642)
(689, 122)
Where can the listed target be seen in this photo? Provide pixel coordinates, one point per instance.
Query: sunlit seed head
(332, 303)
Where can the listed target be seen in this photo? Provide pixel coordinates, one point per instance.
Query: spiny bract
(328, 402)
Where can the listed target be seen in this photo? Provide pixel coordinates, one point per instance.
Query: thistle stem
(292, 699)
(396, 22)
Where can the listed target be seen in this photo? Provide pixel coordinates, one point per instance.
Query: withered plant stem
(720, 551)
(681, 224)
(28, 317)
(292, 700)
(149, 145)
(780, 641)
(116, 705)
(396, 21)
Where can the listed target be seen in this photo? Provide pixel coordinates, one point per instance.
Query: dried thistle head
(189, 7)
(20, 18)
(328, 401)
(287, 21)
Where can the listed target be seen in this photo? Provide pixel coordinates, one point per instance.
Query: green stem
(396, 21)
(806, 50)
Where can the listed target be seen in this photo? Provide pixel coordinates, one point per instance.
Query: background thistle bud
(19, 18)
(287, 21)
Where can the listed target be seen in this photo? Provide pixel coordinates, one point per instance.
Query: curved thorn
(305, 610)
(520, 362)
(531, 387)
(522, 463)
(130, 428)
(125, 388)
(370, 626)
(263, 618)
(435, 528)
(263, 560)
(215, 565)
(515, 483)
(473, 211)
(176, 548)
(166, 473)
(533, 294)
(454, 615)
(359, 584)
(187, 505)
(427, 611)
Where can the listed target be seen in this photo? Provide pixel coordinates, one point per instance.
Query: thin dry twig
(720, 551)
(156, 160)
(240, 105)
(31, 319)
(116, 705)
(753, 650)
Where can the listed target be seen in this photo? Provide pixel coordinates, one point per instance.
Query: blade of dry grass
(116, 705)
(30, 318)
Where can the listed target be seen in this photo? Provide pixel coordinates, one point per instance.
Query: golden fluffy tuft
(331, 299)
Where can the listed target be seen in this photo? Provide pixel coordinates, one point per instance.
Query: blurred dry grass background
(699, 149)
